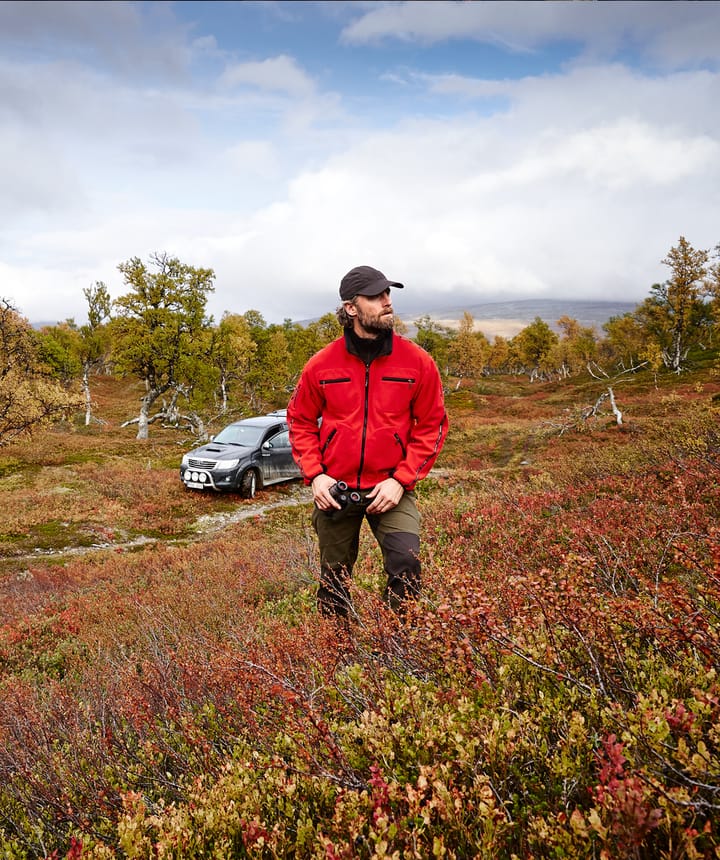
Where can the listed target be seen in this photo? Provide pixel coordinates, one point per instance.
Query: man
(368, 410)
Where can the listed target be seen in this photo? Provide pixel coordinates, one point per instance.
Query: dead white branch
(616, 412)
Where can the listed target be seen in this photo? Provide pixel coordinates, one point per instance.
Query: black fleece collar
(368, 349)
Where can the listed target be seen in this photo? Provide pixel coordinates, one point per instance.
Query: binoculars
(343, 495)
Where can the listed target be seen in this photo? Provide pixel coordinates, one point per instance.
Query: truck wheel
(248, 484)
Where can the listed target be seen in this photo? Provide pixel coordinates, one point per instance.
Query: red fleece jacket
(362, 423)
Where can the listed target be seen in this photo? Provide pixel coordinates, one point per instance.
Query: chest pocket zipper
(408, 380)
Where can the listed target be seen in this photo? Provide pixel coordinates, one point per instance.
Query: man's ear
(350, 309)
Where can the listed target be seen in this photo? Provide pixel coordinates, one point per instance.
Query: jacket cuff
(406, 485)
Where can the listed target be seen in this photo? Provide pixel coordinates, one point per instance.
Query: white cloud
(542, 200)
(254, 157)
(624, 155)
(671, 34)
(276, 74)
(550, 198)
(120, 37)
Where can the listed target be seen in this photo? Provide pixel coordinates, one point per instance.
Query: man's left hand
(385, 496)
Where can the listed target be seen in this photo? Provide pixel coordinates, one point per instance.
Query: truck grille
(202, 464)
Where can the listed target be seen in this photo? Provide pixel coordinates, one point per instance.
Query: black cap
(364, 281)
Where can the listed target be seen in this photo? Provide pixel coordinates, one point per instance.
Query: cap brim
(378, 287)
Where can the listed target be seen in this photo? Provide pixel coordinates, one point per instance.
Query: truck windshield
(240, 434)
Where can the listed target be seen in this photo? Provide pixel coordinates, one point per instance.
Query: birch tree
(30, 394)
(232, 351)
(95, 344)
(533, 346)
(468, 351)
(675, 312)
(161, 329)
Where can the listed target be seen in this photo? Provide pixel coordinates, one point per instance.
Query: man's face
(374, 314)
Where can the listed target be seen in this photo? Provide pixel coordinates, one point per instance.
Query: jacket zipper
(407, 379)
(365, 423)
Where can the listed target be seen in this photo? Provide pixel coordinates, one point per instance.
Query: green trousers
(398, 534)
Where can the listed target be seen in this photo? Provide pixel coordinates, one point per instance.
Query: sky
(474, 151)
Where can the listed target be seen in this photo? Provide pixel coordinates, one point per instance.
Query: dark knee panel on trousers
(401, 553)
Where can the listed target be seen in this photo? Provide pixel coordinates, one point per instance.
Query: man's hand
(321, 492)
(385, 496)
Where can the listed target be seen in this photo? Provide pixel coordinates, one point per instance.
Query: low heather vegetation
(553, 694)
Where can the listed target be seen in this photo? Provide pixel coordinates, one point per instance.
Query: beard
(375, 323)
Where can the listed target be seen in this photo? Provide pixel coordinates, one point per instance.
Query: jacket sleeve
(429, 428)
(303, 415)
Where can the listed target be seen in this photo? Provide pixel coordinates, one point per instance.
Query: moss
(80, 457)
(57, 534)
(10, 466)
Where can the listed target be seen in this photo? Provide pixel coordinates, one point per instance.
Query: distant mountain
(508, 318)
(505, 318)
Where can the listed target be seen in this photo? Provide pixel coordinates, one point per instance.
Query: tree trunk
(172, 410)
(223, 388)
(616, 412)
(677, 353)
(146, 405)
(86, 391)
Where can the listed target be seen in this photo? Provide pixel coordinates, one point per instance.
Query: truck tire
(249, 484)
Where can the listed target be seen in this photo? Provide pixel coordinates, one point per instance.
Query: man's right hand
(321, 492)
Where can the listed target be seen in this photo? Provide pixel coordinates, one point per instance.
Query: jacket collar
(368, 350)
